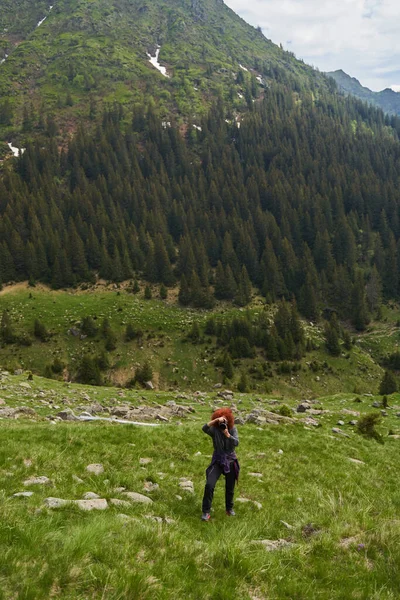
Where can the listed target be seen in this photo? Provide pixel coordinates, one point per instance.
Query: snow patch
(16, 151)
(156, 64)
(242, 67)
(395, 88)
(197, 127)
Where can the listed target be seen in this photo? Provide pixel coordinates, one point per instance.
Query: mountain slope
(387, 100)
(101, 50)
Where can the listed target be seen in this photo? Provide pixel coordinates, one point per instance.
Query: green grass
(178, 363)
(353, 550)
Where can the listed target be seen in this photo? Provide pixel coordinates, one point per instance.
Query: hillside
(387, 100)
(85, 53)
(317, 503)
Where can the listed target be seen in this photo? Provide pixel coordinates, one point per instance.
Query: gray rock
(55, 502)
(149, 486)
(97, 504)
(255, 474)
(96, 469)
(341, 423)
(339, 431)
(25, 385)
(91, 496)
(145, 461)
(67, 415)
(23, 495)
(353, 423)
(149, 385)
(356, 461)
(77, 479)
(135, 497)
(41, 480)
(376, 404)
(303, 407)
(119, 502)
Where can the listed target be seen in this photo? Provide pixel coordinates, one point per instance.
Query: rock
(118, 490)
(145, 461)
(18, 372)
(27, 462)
(25, 385)
(341, 423)
(22, 495)
(303, 407)
(161, 418)
(97, 504)
(2, 402)
(67, 415)
(186, 485)
(119, 502)
(149, 486)
(353, 423)
(55, 502)
(255, 474)
(271, 545)
(96, 469)
(356, 461)
(309, 530)
(126, 518)
(339, 431)
(90, 496)
(311, 421)
(41, 480)
(239, 421)
(384, 413)
(149, 385)
(353, 413)
(135, 497)
(120, 411)
(376, 404)
(287, 525)
(77, 479)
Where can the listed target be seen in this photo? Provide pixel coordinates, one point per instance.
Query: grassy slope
(307, 478)
(109, 43)
(175, 361)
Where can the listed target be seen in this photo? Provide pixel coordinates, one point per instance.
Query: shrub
(388, 384)
(40, 332)
(147, 293)
(243, 385)
(366, 426)
(89, 372)
(57, 366)
(88, 327)
(285, 411)
(144, 373)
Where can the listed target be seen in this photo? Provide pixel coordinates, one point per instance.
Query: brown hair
(224, 412)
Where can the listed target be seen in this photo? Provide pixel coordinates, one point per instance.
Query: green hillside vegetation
(86, 53)
(388, 100)
(317, 511)
(54, 333)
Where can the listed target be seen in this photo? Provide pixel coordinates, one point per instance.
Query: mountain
(74, 54)
(387, 100)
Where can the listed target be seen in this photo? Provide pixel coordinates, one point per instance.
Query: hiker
(224, 461)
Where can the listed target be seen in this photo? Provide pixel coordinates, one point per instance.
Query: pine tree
(388, 384)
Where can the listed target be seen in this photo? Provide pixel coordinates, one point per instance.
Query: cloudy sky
(362, 37)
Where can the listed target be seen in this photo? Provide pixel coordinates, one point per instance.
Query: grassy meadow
(333, 499)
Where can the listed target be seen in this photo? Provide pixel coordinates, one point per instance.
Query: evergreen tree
(388, 384)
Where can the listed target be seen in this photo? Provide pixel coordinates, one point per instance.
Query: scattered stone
(2, 402)
(67, 415)
(90, 496)
(340, 432)
(119, 502)
(255, 474)
(96, 469)
(341, 423)
(303, 407)
(118, 490)
(356, 461)
(55, 502)
(347, 542)
(353, 413)
(354, 423)
(25, 385)
(149, 385)
(311, 421)
(376, 404)
(161, 418)
(271, 545)
(145, 461)
(98, 504)
(186, 485)
(77, 479)
(125, 518)
(135, 497)
(178, 497)
(149, 486)
(23, 495)
(27, 462)
(41, 480)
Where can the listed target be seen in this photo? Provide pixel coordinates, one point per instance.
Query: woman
(224, 461)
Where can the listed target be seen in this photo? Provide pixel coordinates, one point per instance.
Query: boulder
(96, 469)
(41, 480)
(96, 504)
(55, 502)
(135, 497)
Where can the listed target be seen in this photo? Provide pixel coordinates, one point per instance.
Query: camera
(223, 425)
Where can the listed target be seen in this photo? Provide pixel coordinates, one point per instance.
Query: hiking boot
(231, 513)
(205, 516)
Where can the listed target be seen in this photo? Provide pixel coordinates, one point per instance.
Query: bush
(144, 373)
(243, 385)
(388, 384)
(40, 332)
(285, 411)
(366, 426)
(88, 327)
(57, 366)
(147, 293)
(89, 372)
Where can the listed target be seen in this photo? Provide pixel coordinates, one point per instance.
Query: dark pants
(213, 473)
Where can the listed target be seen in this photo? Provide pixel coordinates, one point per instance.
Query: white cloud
(359, 36)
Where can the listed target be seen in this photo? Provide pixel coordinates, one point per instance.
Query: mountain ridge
(388, 100)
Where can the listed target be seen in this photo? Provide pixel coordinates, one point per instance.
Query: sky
(362, 37)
